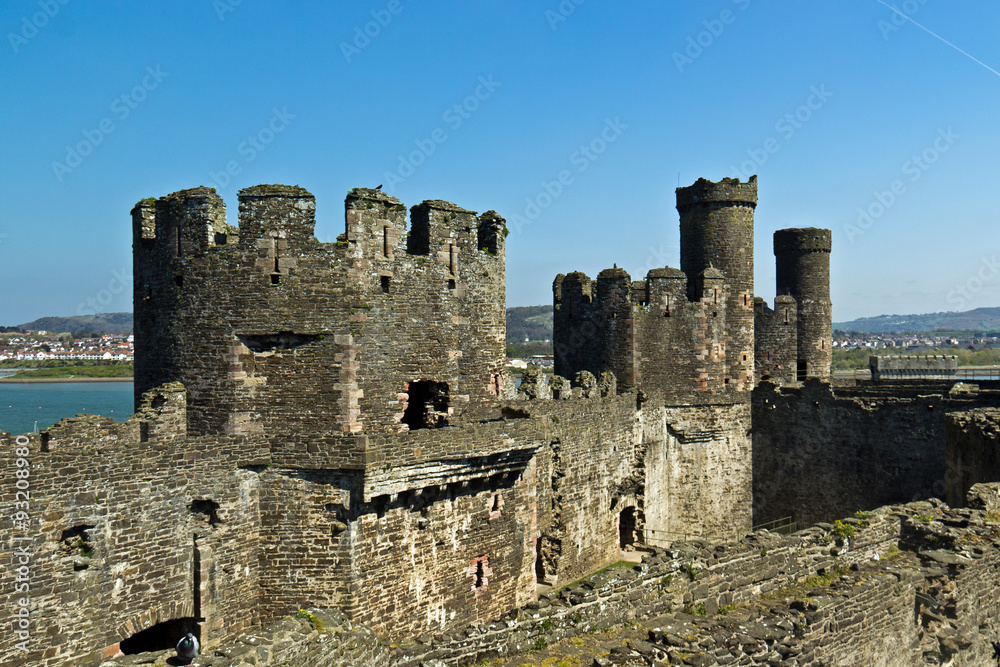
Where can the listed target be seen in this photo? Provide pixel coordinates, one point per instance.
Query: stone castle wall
(973, 451)
(131, 525)
(646, 332)
(776, 338)
(820, 453)
(257, 321)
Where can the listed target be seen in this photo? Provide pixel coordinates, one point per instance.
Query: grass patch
(621, 563)
(67, 372)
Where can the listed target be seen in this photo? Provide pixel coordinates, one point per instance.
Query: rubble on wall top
(274, 190)
(371, 194)
(666, 272)
(712, 272)
(441, 205)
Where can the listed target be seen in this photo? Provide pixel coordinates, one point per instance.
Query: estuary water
(30, 406)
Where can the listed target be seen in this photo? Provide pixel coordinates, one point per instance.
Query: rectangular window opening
(275, 279)
(452, 284)
(385, 283)
(427, 405)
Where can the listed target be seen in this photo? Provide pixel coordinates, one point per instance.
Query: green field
(71, 372)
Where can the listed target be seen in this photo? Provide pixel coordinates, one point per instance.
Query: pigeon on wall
(187, 647)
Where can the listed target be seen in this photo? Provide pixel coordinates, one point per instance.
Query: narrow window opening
(45, 441)
(715, 297)
(802, 371)
(143, 431)
(666, 305)
(822, 345)
(496, 506)
(451, 284)
(427, 405)
(626, 527)
(179, 250)
(744, 356)
(480, 575)
(746, 300)
(385, 284)
(452, 259)
(275, 279)
(179, 281)
(385, 241)
(277, 269)
(539, 564)
(725, 380)
(785, 312)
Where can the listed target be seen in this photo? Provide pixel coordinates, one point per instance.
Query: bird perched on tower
(187, 647)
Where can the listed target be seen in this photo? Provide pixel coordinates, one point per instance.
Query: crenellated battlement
(264, 313)
(646, 333)
(727, 191)
(701, 327)
(808, 239)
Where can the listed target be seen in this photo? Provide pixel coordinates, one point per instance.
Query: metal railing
(784, 526)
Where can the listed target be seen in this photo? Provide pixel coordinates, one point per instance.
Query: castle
(332, 424)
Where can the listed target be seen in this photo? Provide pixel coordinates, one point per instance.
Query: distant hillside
(531, 322)
(112, 323)
(980, 319)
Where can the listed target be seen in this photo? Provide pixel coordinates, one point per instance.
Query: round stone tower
(717, 231)
(802, 263)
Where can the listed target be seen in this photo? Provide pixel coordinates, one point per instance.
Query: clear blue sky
(106, 103)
